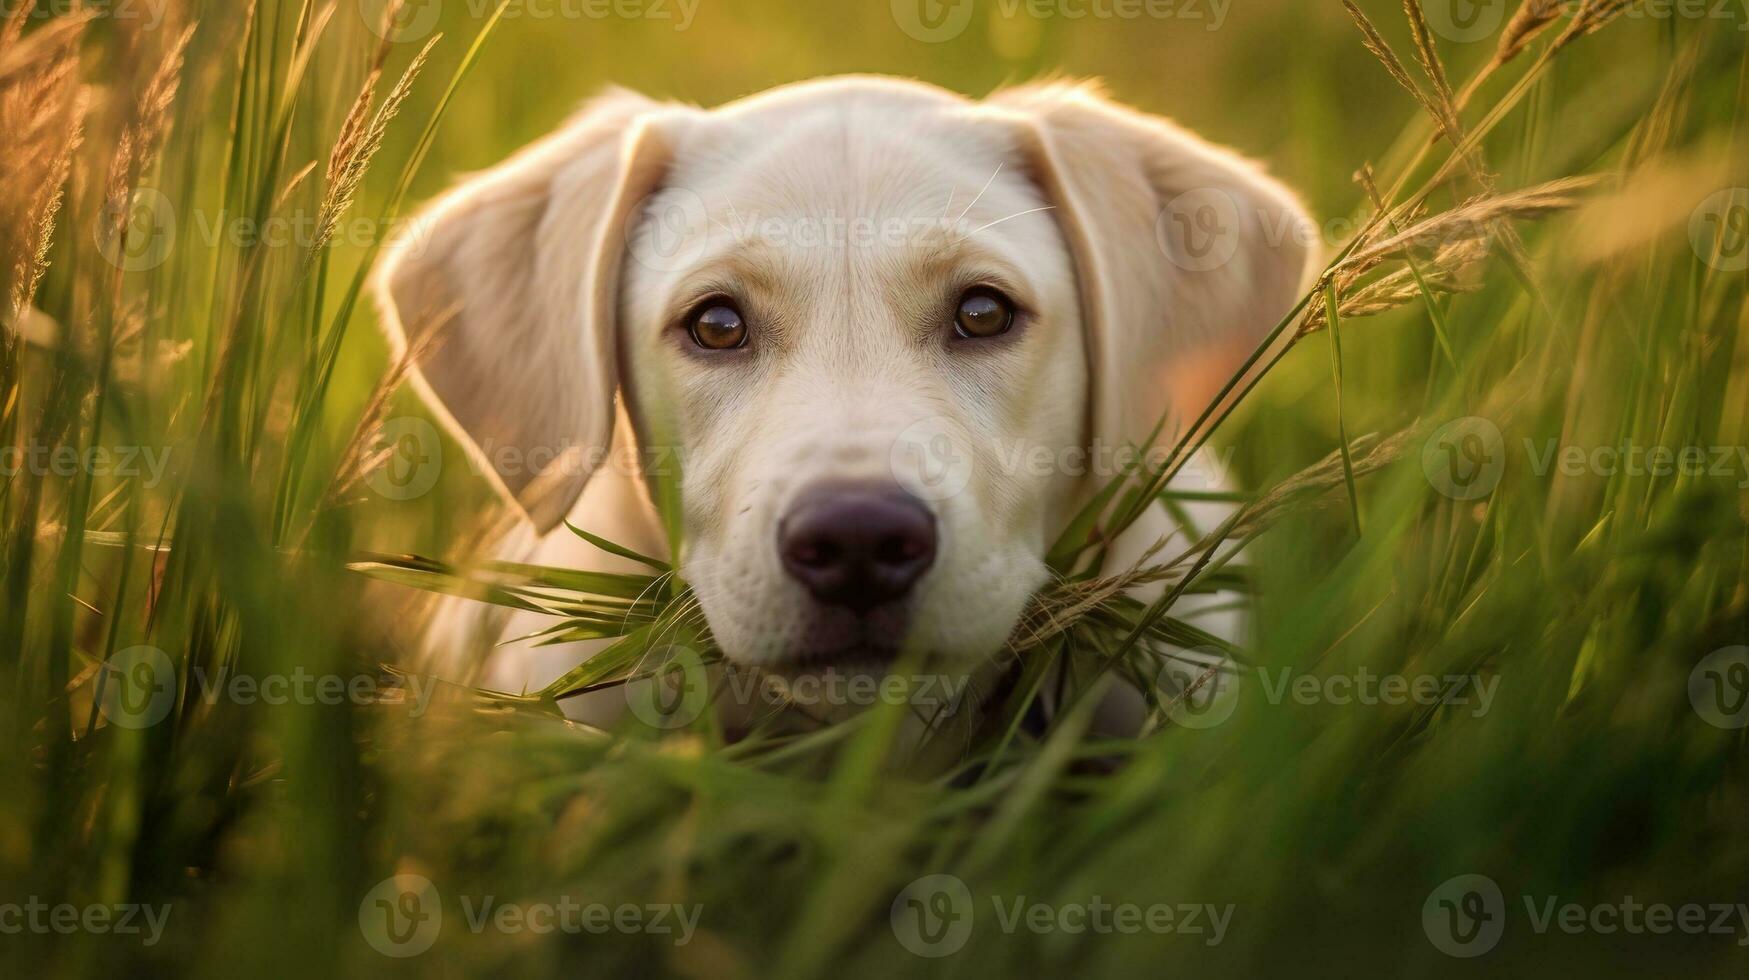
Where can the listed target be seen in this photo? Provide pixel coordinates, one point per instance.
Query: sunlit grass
(1525, 259)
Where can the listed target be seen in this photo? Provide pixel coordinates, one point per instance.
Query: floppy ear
(505, 289)
(1186, 254)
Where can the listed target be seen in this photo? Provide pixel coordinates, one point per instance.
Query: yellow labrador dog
(892, 337)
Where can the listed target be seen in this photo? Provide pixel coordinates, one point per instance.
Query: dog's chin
(840, 640)
(826, 640)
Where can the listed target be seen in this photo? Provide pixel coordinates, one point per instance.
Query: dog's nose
(857, 545)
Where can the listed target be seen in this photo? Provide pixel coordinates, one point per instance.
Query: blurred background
(146, 144)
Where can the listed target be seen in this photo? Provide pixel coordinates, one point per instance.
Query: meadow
(1495, 508)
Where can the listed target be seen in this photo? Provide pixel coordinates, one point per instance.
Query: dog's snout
(857, 545)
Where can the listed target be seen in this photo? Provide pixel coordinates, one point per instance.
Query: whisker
(980, 196)
(1048, 207)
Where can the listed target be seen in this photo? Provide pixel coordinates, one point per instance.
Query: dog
(842, 316)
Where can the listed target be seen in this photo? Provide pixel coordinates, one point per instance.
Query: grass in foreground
(1540, 292)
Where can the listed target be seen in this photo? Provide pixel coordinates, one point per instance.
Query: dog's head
(890, 334)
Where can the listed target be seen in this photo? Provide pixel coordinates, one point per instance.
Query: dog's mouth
(847, 641)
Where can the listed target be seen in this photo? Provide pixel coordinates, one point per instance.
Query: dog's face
(885, 334)
(847, 309)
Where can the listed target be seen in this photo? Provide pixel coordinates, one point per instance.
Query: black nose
(857, 545)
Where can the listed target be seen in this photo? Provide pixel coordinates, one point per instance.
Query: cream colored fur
(845, 215)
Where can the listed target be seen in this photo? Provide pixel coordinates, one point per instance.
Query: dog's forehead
(863, 162)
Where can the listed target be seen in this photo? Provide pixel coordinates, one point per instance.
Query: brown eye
(719, 327)
(983, 313)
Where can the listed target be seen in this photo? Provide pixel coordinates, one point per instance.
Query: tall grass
(1540, 262)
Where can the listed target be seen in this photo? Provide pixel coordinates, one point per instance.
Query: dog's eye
(983, 312)
(719, 327)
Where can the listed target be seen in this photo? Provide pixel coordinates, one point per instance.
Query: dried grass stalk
(1451, 270)
(1532, 18)
(1525, 25)
(1474, 218)
(363, 455)
(1375, 42)
(361, 135)
(1591, 18)
(42, 112)
(1434, 69)
(143, 137)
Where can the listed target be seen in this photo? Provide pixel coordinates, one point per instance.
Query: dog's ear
(505, 291)
(1186, 255)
